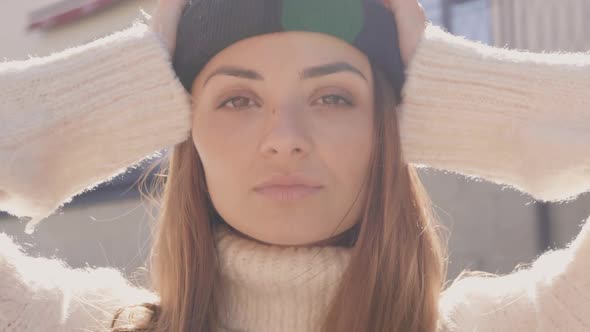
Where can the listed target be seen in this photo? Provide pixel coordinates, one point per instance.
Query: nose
(287, 135)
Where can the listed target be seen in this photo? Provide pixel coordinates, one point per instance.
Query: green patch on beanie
(340, 18)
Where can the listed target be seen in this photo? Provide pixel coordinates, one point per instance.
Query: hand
(411, 24)
(165, 21)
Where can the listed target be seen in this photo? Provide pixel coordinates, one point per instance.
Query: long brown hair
(398, 263)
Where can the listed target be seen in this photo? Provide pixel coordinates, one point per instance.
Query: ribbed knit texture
(77, 118)
(208, 26)
(514, 118)
(274, 288)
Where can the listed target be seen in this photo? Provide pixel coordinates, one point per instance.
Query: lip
(288, 188)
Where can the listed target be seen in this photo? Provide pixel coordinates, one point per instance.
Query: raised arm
(74, 119)
(40, 294)
(518, 119)
(515, 118)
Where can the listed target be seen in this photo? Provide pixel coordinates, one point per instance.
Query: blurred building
(547, 26)
(541, 25)
(469, 18)
(40, 27)
(492, 228)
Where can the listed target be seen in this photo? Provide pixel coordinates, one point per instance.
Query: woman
(349, 245)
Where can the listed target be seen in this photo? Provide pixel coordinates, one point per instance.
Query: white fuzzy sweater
(85, 114)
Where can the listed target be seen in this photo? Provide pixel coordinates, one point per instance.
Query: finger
(411, 21)
(165, 20)
(171, 6)
(404, 6)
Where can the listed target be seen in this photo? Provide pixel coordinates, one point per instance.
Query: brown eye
(334, 100)
(237, 102)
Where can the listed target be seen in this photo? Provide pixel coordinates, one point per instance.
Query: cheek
(211, 139)
(348, 143)
(222, 148)
(346, 155)
(218, 135)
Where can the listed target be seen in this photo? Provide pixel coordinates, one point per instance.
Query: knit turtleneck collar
(273, 288)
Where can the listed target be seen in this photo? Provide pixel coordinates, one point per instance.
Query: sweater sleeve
(514, 118)
(39, 294)
(79, 117)
(552, 294)
(519, 119)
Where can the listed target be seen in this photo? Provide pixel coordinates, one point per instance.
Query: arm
(514, 118)
(517, 119)
(39, 294)
(551, 295)
(79, 117)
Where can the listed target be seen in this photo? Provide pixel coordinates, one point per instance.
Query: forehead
(292, 49)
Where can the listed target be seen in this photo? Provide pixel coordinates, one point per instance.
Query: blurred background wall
(492, 228)
(75, 22)
(539, 25)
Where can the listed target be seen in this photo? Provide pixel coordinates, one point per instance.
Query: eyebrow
(331, 68)
(307, 73)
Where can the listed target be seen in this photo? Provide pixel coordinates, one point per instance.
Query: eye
(334, 100)
(237, 103)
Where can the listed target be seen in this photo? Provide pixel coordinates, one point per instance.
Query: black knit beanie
(208, 26)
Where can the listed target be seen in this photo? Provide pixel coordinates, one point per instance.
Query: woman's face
(283, 125)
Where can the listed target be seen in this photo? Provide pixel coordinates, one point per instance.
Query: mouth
(287, 193)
